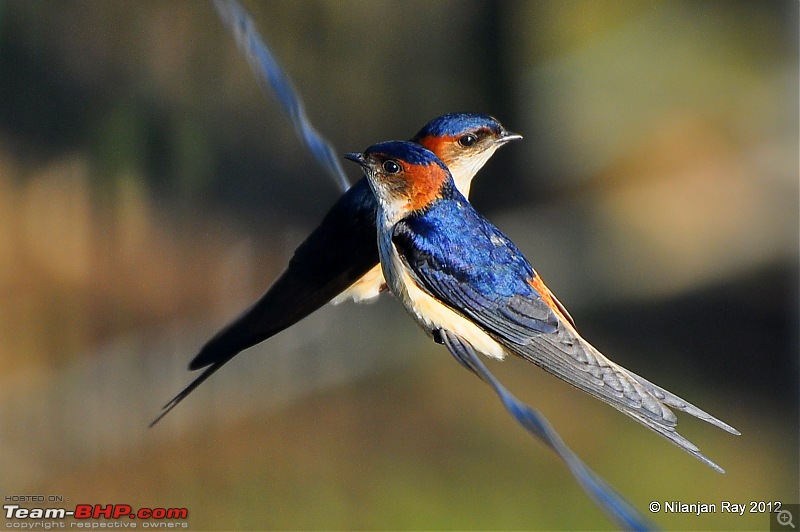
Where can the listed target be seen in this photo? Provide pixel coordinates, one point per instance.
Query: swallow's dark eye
(468, 140)
(391, 167)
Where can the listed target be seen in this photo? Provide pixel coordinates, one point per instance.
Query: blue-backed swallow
(339, 259)
(470, 288)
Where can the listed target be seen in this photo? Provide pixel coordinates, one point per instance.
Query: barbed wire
(615, 506)
(275, 81)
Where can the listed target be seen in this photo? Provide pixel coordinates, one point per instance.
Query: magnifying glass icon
(785, 518)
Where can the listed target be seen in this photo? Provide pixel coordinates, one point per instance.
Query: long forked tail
(341, 250)
(210, 370)
(569, 357)
(670, 399)
(290, 299)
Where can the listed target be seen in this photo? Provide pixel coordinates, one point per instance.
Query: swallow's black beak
(357, 158)
(507, 136)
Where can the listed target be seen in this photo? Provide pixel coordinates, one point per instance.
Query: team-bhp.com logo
(94, 511)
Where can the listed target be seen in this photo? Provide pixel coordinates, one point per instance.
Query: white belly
(365, 290)
(428, 312)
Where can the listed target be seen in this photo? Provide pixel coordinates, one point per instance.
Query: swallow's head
(404, 176)
(464, 142)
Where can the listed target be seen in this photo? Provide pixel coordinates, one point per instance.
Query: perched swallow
(339, 259)
(470, 288)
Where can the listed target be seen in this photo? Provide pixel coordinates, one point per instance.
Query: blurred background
(150, 191)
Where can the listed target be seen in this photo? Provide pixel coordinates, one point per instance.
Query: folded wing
(490, 283)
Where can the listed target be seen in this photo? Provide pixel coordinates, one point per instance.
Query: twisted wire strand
(275, 81)
(615, 506)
